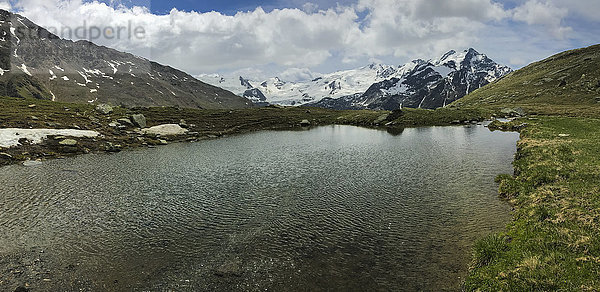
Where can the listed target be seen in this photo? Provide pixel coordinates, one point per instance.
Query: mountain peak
(43, 66)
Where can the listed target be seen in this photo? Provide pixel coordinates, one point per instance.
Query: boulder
(513, 112)
(125, 122)
(110, 147)
(6, 155)
(183, 124)
(139, 120)
(396, 114)
(104, 109)
(381, 119)
(165, 130)
(305, 123)
(68, 142)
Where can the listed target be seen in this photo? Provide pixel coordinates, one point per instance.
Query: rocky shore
(35, 130)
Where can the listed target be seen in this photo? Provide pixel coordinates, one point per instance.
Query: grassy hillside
(553, 242)
(569, 79)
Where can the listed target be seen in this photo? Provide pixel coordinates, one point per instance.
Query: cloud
(320, 33)
(310, 7)
(535, 12)
(298, 74)
(588, 9)
(5, 4)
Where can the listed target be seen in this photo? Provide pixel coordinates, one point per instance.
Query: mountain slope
(427, 84)
(333, 85)
(568, 78)
(36, 63)
(417, 84)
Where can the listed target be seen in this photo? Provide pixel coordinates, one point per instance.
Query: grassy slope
(566, 84)
(553, 242)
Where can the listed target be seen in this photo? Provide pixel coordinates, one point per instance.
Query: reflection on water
(333, 208)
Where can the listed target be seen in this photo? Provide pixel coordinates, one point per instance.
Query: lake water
(335, 208)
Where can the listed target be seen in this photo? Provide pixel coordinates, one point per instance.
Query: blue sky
(323, 36)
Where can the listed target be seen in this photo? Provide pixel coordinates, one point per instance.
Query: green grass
(570, 78)
(553, 243)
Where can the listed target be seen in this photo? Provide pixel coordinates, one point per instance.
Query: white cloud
(342, 36)
(588, 9)
(298, 74)
(310, 7)
(535, 12)
(5, 4)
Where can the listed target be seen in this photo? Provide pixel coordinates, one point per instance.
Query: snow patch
(10, 137)
(24, 69)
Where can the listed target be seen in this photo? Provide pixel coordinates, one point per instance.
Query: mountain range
(418, 84)
(36, 63)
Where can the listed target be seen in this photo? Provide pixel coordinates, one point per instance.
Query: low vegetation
(33, 113)
(553, 243)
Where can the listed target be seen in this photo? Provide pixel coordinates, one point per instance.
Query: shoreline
(118, 132)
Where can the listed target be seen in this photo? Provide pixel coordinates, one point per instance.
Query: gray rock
(381, 119)
(513, 112)
(68, 142)
(165, 130)
(230, 269)
(104, 109)
(110, 147)
(305, 123)
(183, 124)
(139, 120)
(125, 122)
(163, 142)
(6, 155)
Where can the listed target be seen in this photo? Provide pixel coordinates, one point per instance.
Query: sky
(299, 39)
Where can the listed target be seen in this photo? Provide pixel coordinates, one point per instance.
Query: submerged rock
(31, 163)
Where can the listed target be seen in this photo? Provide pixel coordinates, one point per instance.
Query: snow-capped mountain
(277, 91)
(417, 84)
(36, 63)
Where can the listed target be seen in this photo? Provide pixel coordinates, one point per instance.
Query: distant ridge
(35, 63)
(567, 78)
(417, 84)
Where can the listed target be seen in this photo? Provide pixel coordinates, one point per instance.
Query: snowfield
(10, 137)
